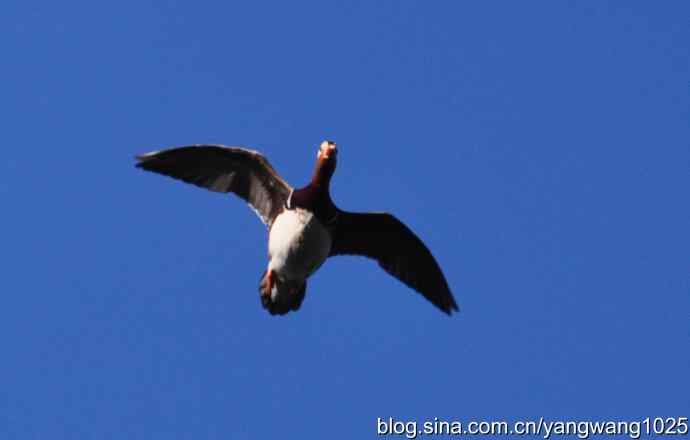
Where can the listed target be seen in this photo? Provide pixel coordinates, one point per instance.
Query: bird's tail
(279, 297)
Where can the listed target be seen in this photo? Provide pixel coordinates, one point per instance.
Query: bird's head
(325, 163)
(327, 151)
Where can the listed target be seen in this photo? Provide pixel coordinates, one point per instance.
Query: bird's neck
(323, 171)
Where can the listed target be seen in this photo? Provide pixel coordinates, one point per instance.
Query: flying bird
(304, 226)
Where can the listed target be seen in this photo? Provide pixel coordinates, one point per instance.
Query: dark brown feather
(224, 169)
(398, 251)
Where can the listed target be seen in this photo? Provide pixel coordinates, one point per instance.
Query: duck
(305, 227)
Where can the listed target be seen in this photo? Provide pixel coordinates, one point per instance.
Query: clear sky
(541, 150)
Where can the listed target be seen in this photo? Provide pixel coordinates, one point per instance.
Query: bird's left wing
(397, 249)
(244, 172)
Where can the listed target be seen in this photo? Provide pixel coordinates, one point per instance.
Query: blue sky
(541, 150)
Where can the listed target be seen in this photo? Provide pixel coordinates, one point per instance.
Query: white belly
(297, 245)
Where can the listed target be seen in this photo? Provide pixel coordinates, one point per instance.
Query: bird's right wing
(244, 172)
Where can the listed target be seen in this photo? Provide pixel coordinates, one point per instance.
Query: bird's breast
(298, 244)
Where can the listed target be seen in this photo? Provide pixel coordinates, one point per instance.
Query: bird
(305, 227)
